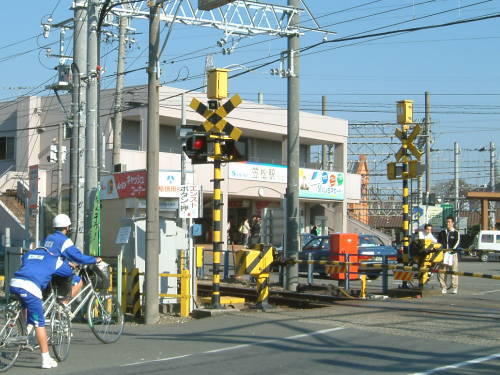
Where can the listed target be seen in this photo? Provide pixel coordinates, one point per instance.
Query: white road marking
(460, 364)
(486, 292)
(236, 347)
(157, 360)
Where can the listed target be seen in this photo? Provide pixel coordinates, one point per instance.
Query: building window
(131, 135)
(6, 148)
(169, 142)
(487, 238)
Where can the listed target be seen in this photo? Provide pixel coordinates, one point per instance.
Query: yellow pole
(185, 293)
(362, 293)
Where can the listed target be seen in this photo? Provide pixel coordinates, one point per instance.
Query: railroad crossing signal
(215, 118)
(395, 170)
(408, 143)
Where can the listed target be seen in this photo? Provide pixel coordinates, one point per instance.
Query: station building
(28, 127)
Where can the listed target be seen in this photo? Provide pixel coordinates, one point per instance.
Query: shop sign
(313, 183)
(123, 185)
(33, 185)
(190, 202)
(258, 172)
(318, 184)
(133, 184)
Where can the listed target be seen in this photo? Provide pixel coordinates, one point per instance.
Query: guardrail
(396, 267)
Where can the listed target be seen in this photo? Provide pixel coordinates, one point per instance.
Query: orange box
(340, 245)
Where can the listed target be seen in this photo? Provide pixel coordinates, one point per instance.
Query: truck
(486, 245)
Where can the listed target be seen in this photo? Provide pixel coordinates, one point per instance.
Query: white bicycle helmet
(61, 221)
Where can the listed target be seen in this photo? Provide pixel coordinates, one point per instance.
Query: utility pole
(293, 149)
(324, 147)
(60, 138)
(456, 164)
(493, 160)
(152, 164)
(91, 138)
(120, 77)
(427, 145)
(187, 223)
(77, 153)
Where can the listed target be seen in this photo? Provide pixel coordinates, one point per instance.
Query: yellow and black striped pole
(136, 294)
(217, 224)
(406, 216)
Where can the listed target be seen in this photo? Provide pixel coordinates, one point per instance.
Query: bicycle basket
(99, 276)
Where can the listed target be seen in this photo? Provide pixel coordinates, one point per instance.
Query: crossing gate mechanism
(254, 261)
(257, 262)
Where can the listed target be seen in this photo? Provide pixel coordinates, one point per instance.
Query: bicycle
(104, 315)
(15, 335)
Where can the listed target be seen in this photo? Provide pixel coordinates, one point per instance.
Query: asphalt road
(450, 334)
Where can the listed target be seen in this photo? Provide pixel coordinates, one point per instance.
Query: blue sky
(459, 64)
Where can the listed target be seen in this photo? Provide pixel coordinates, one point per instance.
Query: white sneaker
(444, 291)
(454, 291)
(49, 363)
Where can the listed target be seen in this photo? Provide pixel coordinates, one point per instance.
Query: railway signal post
(222, 135)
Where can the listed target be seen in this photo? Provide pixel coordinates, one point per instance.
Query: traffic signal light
(196, 148)
(230, 151)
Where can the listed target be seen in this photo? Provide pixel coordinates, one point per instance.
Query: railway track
(276, 296)
(311, 300)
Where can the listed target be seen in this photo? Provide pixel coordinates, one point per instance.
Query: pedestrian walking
(314, 230)
(449, 239)
(244, 231)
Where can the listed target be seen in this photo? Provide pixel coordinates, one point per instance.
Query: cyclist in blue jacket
(38, 267)
(59, 244)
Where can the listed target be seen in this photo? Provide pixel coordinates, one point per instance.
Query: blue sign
(196, 230)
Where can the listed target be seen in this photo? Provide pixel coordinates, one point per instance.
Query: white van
(487, 242)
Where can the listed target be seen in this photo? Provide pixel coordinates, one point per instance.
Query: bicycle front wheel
(105, 317)
(11, 335)
(60, 339)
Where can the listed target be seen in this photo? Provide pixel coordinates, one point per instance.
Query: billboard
(313, 183)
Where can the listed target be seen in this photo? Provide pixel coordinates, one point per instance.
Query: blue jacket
(61, 245)
(38, 267)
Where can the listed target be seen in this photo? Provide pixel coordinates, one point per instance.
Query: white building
(28, 127)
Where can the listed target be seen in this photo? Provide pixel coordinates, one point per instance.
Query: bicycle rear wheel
(60, 339)
(105, 317)
(11, 335)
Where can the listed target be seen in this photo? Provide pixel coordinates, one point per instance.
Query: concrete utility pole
(60, 138)
(456, 164)
(324, 147)
(293, 149)
(493, 160)
(152, 164)
(77, 152)
(427, 145)
(120, 77)
(91, 139)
